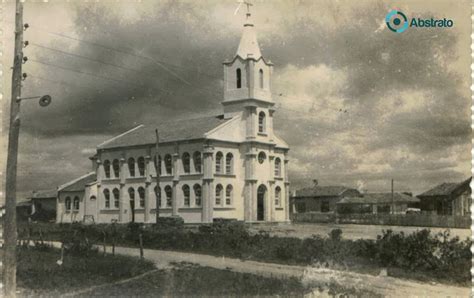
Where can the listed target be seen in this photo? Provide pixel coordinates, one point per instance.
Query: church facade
(229, 166)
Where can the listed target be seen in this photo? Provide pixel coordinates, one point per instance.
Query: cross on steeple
(248, 14)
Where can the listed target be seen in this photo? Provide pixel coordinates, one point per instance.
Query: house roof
(322, 191)
(171, 131)
(445, 189)
(380, 198)
(44, 194)
(78, 184)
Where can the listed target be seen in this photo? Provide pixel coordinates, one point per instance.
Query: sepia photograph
(235, 148)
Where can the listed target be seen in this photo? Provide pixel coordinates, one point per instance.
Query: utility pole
(9, 229)
(158, 169)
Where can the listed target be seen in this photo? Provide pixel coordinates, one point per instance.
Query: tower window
(277, 167)
(141, 165)
(107, 168)
(131, 166)
(219, 158)
(260, 75)
(228, 195)
(141, 195)
(116, 167)
(106, 198)
(186, 159)
(238, 74)
(168, 164)
(197, 194)
(169, 195)
(278, 196)
(218, 198)
(261, 122)
(229, 163)
(186, 201)
(116, 194)
(197, 161)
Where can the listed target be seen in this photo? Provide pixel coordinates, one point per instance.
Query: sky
(358, 104)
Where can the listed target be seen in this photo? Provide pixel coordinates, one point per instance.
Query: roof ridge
(120, 135)
(61, 187)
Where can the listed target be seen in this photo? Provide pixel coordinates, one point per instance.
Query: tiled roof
(44, 194)
(169, 132)
(322, 191)
(444, 189)
(79, 184)
(380, 198)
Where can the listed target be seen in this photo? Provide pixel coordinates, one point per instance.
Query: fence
(419, 220)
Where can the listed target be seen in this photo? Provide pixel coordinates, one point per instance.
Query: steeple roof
(248, 46)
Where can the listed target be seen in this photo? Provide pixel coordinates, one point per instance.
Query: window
(324, 206)
(168, 164)
(229, 163)
(158, 196)
(186, 159)
(261, 122)
(67, 203)
(197, 161)
(141, 166)
(219, 189)
(131, 195)
(261, 157)
(157, 161)
(186, 200)
(116, 194)
(219, 162)
(197, 194)
(92, 198)
(141, 195)
(260, 75)
(169, 195)
(107, 168)
(76, 204)
(277, 167)
(107, 198)
(278, 196)
(238, 74)
(116, 167)
(228, 195)
(131, 166)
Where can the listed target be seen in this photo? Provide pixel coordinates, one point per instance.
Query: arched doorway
(261, 193)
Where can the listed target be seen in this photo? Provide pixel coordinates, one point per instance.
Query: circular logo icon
(396, 21)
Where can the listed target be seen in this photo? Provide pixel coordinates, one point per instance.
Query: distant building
(231, 165)
(43, 204)
(321, 199)
(376, 203)
(447, 199)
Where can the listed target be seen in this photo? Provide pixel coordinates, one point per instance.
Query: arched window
(278, 196)
(228, 195)
(186, 200)
(158, 195)
(116, 194)
(197, 161)
(238, 74)
(219, 189)
(186, 159)
(197, 194)
(168, 164)
(107, 198)
(116, 167)
(169, 195)
(260, 75)
(107, 168)
(92, 198)
(229, 163)
(261, 122)
(76, 204)
(141, 195)
(277, 167)
(67, 203)
(131, 166)
(219, 162)
(157, 161)
(141, 166)
(131, 195)
(261, 157)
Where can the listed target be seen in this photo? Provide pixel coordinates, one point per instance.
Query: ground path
(385, 285)
(349, 231)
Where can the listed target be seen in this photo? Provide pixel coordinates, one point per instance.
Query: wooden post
(140, 238)
(9, 228)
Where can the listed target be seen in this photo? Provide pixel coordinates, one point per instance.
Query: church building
(230, 166)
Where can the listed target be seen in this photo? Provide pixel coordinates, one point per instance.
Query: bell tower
(247, 77)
